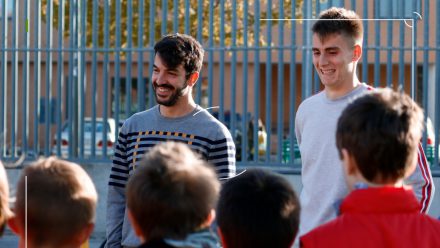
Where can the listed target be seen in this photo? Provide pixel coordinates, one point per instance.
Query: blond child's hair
(61, 201)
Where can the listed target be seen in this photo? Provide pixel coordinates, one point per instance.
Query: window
(398, 9)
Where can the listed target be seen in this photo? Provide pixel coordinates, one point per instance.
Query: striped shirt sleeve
(421, 181)
(120, 166)
(222, 156)
(116, 192)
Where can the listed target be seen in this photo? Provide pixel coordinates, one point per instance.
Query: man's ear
(193, 78)
(357, 52)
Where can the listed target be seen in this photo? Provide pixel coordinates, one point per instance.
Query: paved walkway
(10, 240)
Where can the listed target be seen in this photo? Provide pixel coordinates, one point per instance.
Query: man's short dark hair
(381, 130)
(180, 49)
(172, 192)
(258, 209)
(343, 21)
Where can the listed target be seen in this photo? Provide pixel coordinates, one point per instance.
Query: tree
(181, 16)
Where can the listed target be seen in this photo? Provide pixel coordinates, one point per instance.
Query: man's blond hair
(61, 201)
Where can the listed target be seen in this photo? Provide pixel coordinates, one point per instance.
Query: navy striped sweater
(199, 129)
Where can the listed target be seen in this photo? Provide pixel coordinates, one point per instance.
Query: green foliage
(101, 6)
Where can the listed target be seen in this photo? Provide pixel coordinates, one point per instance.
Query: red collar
(380, 200)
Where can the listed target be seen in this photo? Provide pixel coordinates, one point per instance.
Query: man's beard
(177, 93)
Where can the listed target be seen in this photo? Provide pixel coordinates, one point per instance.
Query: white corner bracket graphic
(418, 15)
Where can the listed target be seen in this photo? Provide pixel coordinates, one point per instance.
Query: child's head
(258, 209)
(5, 212)
(378, 134)
(61, 201)
(172, 193)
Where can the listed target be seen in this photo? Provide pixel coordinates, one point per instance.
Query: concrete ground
(100, 174)
(10, 240)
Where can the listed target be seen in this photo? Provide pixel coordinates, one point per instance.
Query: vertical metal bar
(425, 69)
(292, 93)
(401, 53)
(377, 52)
(106, 72)
(14, 79)
(280, 114)
(365, 45)
(187, 16)
(316, 79)
(60, 75)
(234, 72)
(413, 59)
(3, 80)
(151, 44)
(128, 64)
(37, 73)
(25, 78)
(71, 83)
(94, 74)
(413, 54)
(269, 79)
(353, 5)
(307, 62)
(83, 79)
(222, 61)
(256, 74)
(200, 39)
(437, 94)
(211, 54)
(163, 28)
(140, 82)
(117, 80)
(49, 18)
(78, 99)
(175, 16)
(390, 50)
(244, 127)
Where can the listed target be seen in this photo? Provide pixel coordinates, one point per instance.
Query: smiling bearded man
(176, 117)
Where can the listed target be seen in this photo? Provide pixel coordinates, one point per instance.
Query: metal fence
(72, 71)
